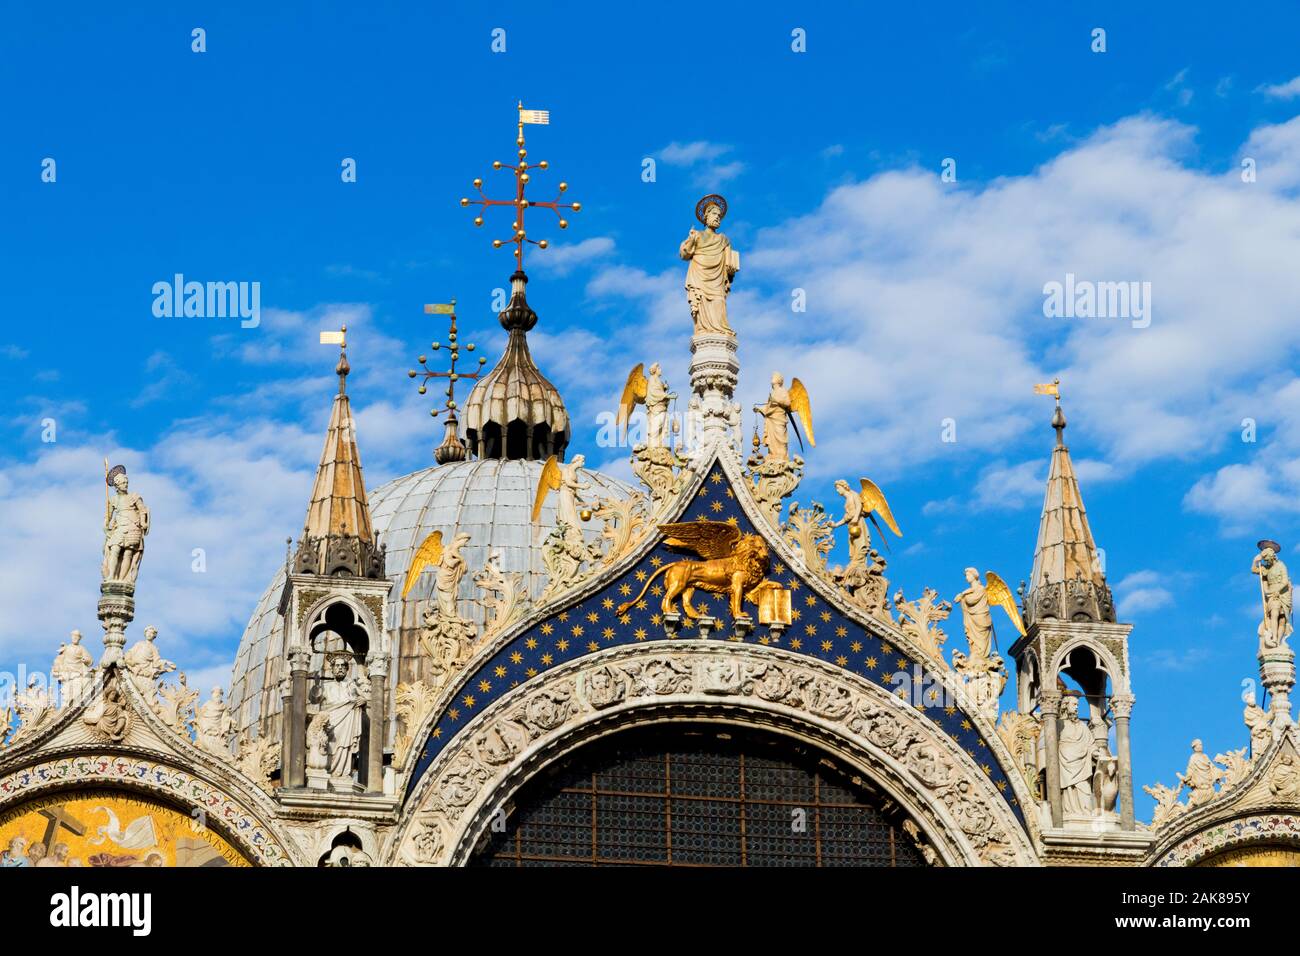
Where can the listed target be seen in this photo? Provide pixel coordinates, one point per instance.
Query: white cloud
(703, 159)
(1140, 592)
(562, 259)
(1283, 91)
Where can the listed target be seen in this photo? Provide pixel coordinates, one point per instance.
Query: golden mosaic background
(108, 828)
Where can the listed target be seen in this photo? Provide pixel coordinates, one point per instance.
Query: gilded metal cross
(451, 375)
(519, 202)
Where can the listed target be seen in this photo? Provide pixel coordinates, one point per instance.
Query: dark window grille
(695, 796)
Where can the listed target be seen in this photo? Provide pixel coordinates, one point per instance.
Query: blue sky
(924, 297)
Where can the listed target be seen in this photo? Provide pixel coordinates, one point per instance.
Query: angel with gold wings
(859, 506)
(977, 615)
(781, 405)
(734, 564)
(565, 480)
(450, 565)
(651, 391)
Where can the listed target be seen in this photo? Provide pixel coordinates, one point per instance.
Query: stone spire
(1067, 582)
(337, 537)
(514, 411)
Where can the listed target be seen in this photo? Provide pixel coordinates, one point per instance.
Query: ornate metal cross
(451, 375)
(522, 205)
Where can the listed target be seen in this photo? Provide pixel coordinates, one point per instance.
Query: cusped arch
(1106, 661)
(945, 792)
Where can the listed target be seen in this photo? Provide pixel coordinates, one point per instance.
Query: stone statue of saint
(978, 620)
(1200, 776)
(776, 419)
(1076, 747)
(1259, 725)
(1275, 584)
(74, 669)
(213, 725)
(125, 526)
(341, 704)
(713, 264)
(146, 665)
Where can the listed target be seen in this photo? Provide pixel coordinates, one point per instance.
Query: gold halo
(712, 199)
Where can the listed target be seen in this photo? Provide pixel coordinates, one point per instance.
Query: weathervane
(451, 448)
(520, 204)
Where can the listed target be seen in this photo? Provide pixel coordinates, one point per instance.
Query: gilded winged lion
(734, 564)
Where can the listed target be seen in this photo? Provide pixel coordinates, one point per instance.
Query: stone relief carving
(109, 717)
(662, 470)
(1020, 733)
(773, 480)
(469, 773)
(808, 532)
(505, 596)
(258, 760)
(918, 620)
(412, 704)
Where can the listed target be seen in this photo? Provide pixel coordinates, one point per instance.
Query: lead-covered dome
(489, 499)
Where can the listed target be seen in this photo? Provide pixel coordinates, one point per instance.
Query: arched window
(696, 795)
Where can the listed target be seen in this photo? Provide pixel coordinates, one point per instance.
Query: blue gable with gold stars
(591, 623)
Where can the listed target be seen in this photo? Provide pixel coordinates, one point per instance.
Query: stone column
(293, 720)
(1277, 673)
(378, 668)
(715, 370)
(1122, 705)
(116, 611)
(1051, 706)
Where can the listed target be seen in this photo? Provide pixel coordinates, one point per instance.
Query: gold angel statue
(565, 480)
(778, 411)
(735, 563)
(977, 615)
(859, 507)
(651, 391)
(450, 565)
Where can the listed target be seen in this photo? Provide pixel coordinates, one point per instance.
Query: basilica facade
(509, 659)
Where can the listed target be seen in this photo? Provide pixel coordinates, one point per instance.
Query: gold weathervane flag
(1048, 388)
(331, 338)
(536, 117)
(440, 308)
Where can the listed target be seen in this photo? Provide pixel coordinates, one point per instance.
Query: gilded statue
(713, 264)
(859, 507)
(1275, 589)
(977, 616)
(565, 480)
(781, 405)
(734, 565)
(449, 567)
